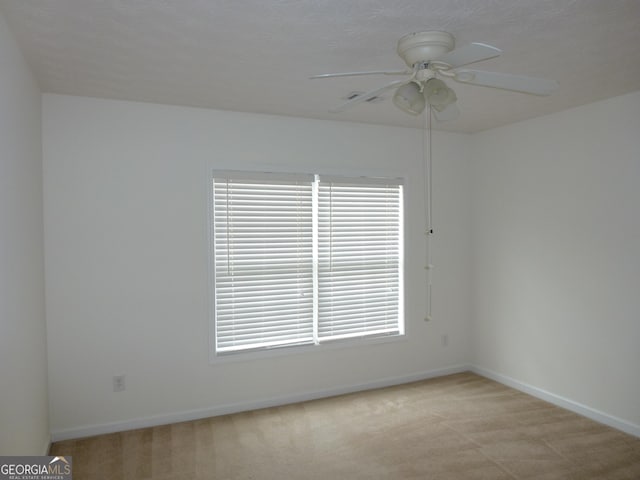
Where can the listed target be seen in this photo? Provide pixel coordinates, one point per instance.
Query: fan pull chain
(427, 170)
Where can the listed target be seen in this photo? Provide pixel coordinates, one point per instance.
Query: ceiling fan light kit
(438, 95)
(432, 54)
(409, 99)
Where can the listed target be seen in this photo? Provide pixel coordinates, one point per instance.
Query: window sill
(216, 359)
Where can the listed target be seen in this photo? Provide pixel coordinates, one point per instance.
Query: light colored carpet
(460, 426)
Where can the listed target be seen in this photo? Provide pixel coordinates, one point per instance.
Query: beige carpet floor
(460, 426)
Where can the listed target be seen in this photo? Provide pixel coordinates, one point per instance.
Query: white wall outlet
(445, 340)
(118, 383)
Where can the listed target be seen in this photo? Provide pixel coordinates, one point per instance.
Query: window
(305, 259)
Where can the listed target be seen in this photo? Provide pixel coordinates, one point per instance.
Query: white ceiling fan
(430, 55)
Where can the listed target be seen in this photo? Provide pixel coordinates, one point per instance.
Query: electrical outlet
(445, 340)
(118, 383)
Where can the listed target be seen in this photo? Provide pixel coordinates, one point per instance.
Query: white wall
(546, 209)
(23, 368)
(556, 235)
(126, 258)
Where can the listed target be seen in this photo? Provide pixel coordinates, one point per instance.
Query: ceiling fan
(430, 55)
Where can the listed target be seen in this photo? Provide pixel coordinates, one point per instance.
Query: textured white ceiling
(257, 55)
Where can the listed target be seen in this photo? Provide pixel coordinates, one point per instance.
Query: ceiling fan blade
(357, 74)
(472, 53)
(505, 81)
(366, 96)
(451, 112)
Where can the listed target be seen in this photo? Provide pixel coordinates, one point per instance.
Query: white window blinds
(263, 261)
(360, 257)
(302, 259)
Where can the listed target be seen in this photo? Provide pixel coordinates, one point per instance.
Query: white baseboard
(144, 422)
(566, 403)
(152, 421)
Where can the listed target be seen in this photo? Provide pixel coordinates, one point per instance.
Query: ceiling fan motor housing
(422, 47)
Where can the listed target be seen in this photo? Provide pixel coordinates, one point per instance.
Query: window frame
(295, 349)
